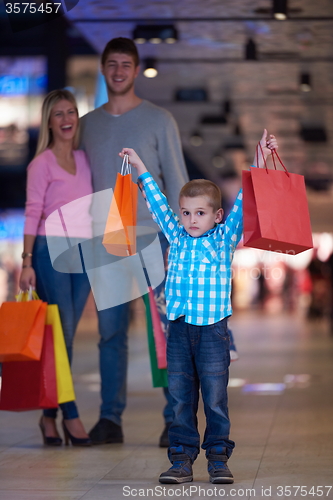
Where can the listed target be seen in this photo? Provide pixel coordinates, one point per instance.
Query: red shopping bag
(120, 230)
(275, 210)
(30, 385)
(159, 337)
(22, 330)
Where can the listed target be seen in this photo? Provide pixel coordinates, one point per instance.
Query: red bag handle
(274, 152)
(263, 157)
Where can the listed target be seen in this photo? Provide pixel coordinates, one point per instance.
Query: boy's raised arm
(157, 203)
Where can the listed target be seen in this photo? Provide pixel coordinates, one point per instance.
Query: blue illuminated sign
(22, 85)
(11, 225)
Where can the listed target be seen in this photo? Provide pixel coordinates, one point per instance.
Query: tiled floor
(283, 431)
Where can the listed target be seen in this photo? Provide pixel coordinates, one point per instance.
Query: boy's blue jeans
(198, 356)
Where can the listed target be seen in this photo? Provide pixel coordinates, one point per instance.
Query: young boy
(197, 291)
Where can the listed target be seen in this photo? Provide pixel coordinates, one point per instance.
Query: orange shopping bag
(120, 230)
(22, 329)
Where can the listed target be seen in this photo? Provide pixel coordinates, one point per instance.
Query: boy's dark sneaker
(180, 472)
(217, 466)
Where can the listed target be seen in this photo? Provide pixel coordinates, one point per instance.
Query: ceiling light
(138, 35)
(280, 9)
(170, 40)
(155, 33)
(150, 70)
(280, 16)
(196, 139)
(250, 50)
(218, 161)
(155, 40)
(305, 82)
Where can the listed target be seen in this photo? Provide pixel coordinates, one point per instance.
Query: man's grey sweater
(152, 132)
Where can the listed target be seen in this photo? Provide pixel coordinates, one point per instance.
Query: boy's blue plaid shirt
(198, 282)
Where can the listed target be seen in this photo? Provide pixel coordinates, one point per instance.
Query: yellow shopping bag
(65, 388)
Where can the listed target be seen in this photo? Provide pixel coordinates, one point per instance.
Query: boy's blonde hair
(45, 133)
(203, 187)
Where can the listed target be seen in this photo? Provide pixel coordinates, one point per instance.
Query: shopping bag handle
(274, 152)
(125, 167)
(263, 157)
(26, 296)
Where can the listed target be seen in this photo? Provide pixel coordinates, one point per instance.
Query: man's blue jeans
(113, 325)
(198, 356)
(70, 292)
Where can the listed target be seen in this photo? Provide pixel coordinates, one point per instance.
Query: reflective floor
(281, 409)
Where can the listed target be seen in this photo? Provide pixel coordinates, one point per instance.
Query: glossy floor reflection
(281, 407)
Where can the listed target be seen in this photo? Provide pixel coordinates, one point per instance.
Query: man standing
(127, 121)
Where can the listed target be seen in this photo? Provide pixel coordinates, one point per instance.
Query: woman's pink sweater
(50, 187)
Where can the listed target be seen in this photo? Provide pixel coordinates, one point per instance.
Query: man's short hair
(203, 187)
(121, 46)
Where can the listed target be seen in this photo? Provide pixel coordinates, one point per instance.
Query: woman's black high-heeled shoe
(75, 441)
(49, 441)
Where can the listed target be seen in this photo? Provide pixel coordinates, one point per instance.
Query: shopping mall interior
(225, 70)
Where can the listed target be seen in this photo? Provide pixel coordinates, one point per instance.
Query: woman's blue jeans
(198, 356)
(70, 292)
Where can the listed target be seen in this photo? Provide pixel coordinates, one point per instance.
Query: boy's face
(120, 73)
(197, 216)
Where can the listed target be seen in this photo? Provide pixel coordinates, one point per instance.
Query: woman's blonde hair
(45, 137)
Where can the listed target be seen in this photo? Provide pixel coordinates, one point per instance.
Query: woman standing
(58, 174)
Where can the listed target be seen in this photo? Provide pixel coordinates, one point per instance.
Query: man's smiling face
(120, 72)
